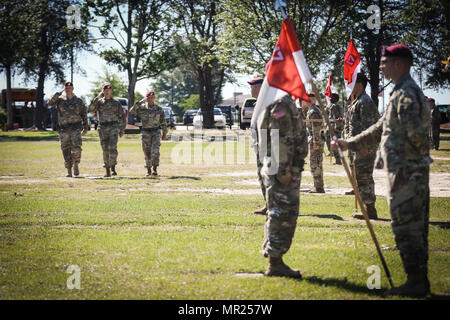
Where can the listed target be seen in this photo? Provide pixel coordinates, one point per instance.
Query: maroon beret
(398, 50)
(150, 93)
(256, 81)
(68, 83)
(107, 86)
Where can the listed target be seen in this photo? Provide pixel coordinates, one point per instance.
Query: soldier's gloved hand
(84, 132)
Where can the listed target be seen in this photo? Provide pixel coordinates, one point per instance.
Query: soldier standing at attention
(363, 113)
(403, 131)
(255, 87)
(72, 119)
(112, 124)
(435, 123)
(335, 113)
(153, 120)
(282, 182)
(316, 143)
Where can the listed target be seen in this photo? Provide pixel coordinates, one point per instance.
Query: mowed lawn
(188, 234)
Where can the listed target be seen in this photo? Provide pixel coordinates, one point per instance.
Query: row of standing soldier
(72, 115)
(401, 135)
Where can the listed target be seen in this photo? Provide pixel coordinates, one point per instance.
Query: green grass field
(187, 234)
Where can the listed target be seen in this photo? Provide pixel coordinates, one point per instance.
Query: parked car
(124, 103)
(170, 117)
(188, 116)
(228, 113)
(247, 112)
(92, 119)
(219, 119)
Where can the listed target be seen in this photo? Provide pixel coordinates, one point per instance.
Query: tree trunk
(9, 109)
(131, 87)
(40, 97)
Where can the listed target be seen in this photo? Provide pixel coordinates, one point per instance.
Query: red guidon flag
(286, 72)
(328, 92)
(352, 66)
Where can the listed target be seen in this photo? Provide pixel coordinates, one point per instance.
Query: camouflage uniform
(404, 151)
(334, 112)
(435, 125)
(72, 119)
(283, 186)
(363, 113)
(315, 139)
(153, 120)
(112, 122)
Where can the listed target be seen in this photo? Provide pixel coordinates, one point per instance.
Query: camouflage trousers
(315, 164)
(151, 142)
(364, 177)
(283, 207)
(260, 177)
(70, 140)
(435, 136)
(409, 203)
(338, 135)
(109, 135)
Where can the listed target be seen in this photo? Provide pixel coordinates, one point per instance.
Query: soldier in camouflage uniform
(255, 85)
(112, 125)
(281, 180)
(335, 113)
(404, 151)
(72, 119)
(316, 144)
(153, 120)
(363, 113)
(435, 123)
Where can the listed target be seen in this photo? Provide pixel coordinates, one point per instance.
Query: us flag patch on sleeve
(279, 114)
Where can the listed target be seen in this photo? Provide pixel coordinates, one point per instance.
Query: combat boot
(155, 171)
(69, 172)
(277, 268)
(76, 171)
(149, 171)
(108, 171)
(261, 211)
(351, 192)
(416, 286)
(113, 170)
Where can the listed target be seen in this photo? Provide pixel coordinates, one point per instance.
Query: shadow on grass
(344, 284)
(185, 177)
(324, 216)
(442, 224)
(438, 297)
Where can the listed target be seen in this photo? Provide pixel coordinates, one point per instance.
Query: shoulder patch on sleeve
(279, 114)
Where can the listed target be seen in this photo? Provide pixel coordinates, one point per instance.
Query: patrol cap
(68, 84)
(107, 86)
(311, 94)
(397, 50)
(335, 97)
(256, 81)
(150, 94)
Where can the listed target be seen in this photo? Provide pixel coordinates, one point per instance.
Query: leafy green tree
(190, 103)
(138, 36)
(54, 43)
(172, 87)
(197, 48)
(13, 44)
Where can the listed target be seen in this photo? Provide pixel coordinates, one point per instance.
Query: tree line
(193, 47)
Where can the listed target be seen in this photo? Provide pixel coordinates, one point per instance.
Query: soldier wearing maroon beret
(404, 152)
